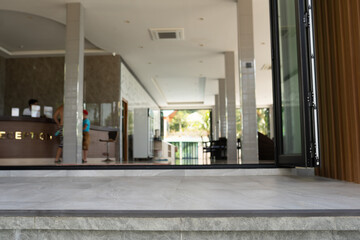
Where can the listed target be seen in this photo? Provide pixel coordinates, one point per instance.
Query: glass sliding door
(292, 72)
(289, 78)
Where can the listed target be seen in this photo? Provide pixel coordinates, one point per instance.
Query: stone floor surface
(177, 193)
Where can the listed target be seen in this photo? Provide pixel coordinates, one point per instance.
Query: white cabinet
(164, 152)
(143, 142)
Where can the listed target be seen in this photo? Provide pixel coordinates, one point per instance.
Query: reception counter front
(26, 137)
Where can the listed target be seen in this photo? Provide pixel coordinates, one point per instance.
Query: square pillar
(216, 118)
(73, 84)
(249, 149)
(222, 106)
(230, 107)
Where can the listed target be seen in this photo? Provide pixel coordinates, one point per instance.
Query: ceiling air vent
(167, 33)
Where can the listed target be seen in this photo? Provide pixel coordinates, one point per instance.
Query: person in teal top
(86, 124)
(86, 135)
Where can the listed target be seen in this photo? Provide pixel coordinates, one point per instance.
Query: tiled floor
(177, 193)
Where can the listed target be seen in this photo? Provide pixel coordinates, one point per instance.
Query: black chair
(238, 147)
(111, 138)
(219, 149)
(206, 149)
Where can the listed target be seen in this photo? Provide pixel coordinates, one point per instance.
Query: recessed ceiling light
(127, 21)
(201, 19)
(201, 45)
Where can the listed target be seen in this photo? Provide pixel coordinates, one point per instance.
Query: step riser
(141, 235)
(179, 228)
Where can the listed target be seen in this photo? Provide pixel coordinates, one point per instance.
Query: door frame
(307, 92)
(124, 123)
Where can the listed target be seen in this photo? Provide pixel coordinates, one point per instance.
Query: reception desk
(26, 137)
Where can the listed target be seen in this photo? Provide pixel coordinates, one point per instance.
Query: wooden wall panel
(337, 36)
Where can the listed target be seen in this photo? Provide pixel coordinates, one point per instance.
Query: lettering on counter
(18, 135)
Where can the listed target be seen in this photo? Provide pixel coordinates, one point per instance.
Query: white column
(73, 83)
(230, 107)
(249, 149)
(222, 106)
(216, 118)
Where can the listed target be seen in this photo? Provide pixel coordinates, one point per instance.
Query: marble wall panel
(43, 79)
(39, 78)
(102, 79)
(102, 88)
(2, 85)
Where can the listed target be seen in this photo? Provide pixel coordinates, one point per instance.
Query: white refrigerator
(143, 141)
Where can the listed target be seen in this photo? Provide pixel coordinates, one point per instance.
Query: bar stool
(111, 138)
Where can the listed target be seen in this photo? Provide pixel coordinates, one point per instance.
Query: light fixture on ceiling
(201, 45)
(201, 19)
(126, 21)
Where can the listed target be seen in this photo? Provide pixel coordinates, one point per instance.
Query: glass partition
(289, 74)
(128, 92)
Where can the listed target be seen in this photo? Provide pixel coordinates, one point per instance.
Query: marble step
(45, 225)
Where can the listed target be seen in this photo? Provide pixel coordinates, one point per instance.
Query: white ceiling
(27, 32)
(169, 69)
